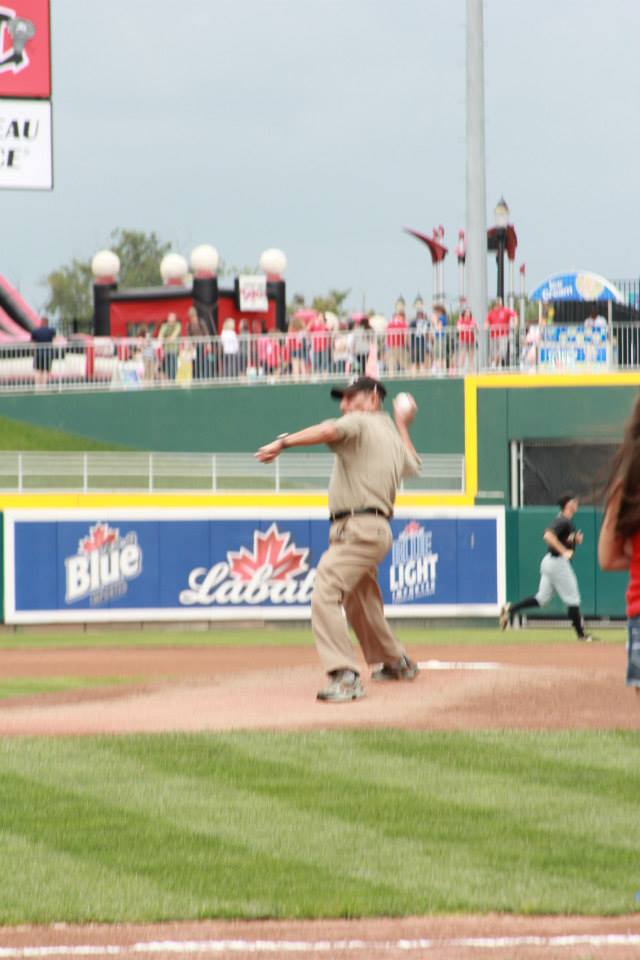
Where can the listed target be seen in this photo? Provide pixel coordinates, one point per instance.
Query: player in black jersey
(556, 573)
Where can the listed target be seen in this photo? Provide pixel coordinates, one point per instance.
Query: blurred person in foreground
(371, 458)
(619, 543)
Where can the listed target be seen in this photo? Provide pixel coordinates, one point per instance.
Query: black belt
(354, 513)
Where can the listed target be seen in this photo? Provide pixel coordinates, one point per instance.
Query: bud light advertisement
(239, 564)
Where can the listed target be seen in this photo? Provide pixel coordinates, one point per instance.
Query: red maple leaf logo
(99, 536)
(411, 529)
(270, 549)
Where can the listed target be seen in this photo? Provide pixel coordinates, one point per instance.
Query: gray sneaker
(505, 616)
(341, 690)
(402, 669)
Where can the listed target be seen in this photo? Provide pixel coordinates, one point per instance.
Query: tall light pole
(476, 253)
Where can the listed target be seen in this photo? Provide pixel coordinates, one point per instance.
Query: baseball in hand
(404, 404)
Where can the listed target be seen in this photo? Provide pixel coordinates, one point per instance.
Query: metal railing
(32, 472)
(139, 363)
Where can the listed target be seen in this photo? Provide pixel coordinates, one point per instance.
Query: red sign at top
(25, 48)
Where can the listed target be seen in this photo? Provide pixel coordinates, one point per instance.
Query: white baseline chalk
(217, 947)
(459, 665)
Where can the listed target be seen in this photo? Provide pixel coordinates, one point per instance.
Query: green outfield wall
(241, 418)
(602, 593)
(548, 413)
(225, 419)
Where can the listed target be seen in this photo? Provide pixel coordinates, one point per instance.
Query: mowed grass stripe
(21, 687)
(170, 868)
(422, 765)
(47, 882)
(204, 848)
(277, 839)
(326, 824)
(219, 635)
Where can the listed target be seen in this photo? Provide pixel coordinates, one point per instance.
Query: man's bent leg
(365, 613)
(328, 623)
(356, 545)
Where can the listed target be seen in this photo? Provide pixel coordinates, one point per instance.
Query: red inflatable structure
(124, 312)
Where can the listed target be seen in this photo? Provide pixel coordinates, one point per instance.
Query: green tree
(70, 287)
(140, 255)
(332, 302)
(70, 291)
(229, 270)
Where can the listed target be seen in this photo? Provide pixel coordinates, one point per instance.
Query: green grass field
(334, 824)
(19, 435)
(283, 635)
(318, 825)
(18, 687)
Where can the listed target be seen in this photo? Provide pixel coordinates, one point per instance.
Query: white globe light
(105, 265)
(204, 259)
(173, 267)
(273, 261)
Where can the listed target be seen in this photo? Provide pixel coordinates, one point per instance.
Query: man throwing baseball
(372, 456)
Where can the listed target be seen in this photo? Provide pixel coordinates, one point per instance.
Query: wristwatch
(283, 437)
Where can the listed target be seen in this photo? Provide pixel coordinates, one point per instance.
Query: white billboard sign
(253, 293)
(25, 145)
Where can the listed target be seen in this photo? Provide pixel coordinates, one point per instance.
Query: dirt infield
(493, 937)
(567, 685)
(561, 686)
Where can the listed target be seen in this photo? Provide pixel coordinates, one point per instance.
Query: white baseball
(404, 403)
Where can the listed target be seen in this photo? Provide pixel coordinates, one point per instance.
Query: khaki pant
(347, 577)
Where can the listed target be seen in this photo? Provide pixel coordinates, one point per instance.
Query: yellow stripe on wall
(506, 381)
(99, 501)
(471, 437)
(519, 381)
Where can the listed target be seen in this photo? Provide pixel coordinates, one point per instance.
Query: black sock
(521, 604)
(576, 619)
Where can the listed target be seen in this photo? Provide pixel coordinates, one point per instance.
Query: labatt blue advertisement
(226, 564)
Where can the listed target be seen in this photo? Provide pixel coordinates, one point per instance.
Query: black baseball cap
(564, 499)
(359, 385)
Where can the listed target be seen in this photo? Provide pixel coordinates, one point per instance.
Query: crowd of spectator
(319, 345)
(315, 345)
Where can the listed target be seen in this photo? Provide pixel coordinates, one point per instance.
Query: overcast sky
(323, 127)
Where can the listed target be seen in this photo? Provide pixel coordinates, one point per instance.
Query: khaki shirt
(370, 462)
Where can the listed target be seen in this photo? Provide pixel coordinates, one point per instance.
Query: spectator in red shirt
(270, 354)
(466, 328)
(396, 339)
(500, 322)
(320, 344)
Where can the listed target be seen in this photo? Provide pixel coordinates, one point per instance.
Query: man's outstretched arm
(325, 432)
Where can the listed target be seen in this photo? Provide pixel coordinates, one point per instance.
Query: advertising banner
(25, 145)
(25, 49)
(236, 564)
(252, 293)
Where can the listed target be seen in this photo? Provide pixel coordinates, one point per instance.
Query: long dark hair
(625, 477)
